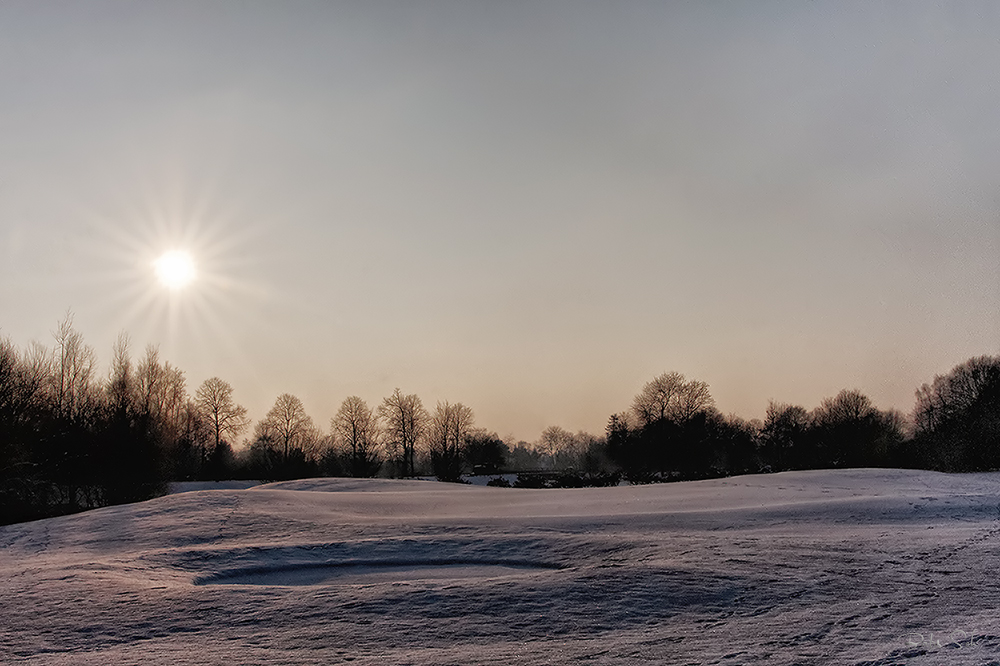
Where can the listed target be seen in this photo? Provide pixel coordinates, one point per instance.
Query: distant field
(822, 567)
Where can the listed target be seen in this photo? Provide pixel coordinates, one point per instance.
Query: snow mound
(828, 567)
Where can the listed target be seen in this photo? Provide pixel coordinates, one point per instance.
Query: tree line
(673, 430)
(71, 439)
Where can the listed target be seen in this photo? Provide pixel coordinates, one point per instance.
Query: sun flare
(175, 269)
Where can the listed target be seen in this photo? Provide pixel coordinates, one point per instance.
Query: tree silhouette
(784, 437)
(485, 452)
(449, 428)
(287, 424)
(849, 431)
(73, 386)
(22, 414)
(673, 436)
(957, 417)
(565, 451)
(214, 399)
(670, 397)
(67, 450)
(134, 426)
(405, 423)
(736, 443)
(187, 452)
(357, 427)
(70, 440)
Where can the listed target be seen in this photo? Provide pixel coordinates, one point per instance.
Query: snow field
(821, 567)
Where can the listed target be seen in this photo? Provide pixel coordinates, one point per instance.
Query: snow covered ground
(827, 567)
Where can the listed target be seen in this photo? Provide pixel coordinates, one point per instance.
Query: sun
(175, 269)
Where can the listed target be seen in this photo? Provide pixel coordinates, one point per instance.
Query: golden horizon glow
(175, 269)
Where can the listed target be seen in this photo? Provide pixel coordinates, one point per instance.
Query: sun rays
(181, 274)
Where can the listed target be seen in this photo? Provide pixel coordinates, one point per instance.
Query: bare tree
(449, 428)
(783, 436)
(655, 401)
(214, 399)
(119, 389)
(160, 387)
(9, 376)
(846, 407)
(356, 425)
(288, 425)
(559, 446)
(149, 384)
(74, 365)
(694, 398)
(21, 404)
(173, 401)
(949, 397)
(850, 431)
(553, 440)
(405, 422)
(189, 454)
(563, 449)
(159, 394)
(670, 397)
(957, 417)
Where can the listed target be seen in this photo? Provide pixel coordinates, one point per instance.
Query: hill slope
(852, 566)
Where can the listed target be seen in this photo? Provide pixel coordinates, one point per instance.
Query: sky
(530, 208)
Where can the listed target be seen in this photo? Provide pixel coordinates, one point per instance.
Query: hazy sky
(529, 207)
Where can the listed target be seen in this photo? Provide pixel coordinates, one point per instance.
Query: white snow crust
(873, 567)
